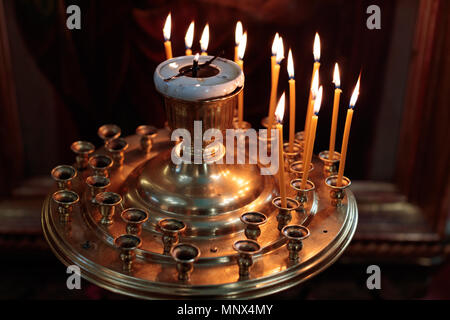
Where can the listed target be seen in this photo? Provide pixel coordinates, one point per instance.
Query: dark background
(58, 86)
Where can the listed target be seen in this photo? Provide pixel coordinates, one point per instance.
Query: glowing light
(355, 94)
(318, 100)
(242, 46)
(290, 65)
(316, 48)
(315, 84)
(336, 76)
(204, 40)
(280, 50)
(239, 33)
(167, 27)
(275, 44)
(189, 38)
(279, 112)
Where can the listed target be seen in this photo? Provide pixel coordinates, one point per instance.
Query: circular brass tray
(86, 243)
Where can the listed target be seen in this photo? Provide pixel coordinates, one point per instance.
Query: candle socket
(171, 229)
(252, 221)
(246, 249)
(295, 234)
(185, 255)
(300, 139)
(65, 199)
(147, 135)
(109, 132)
(302, 194)
(290, 157)
(63, 176)
(329, 165)
(82, 149)
(117, 148)
(285, 214)
(134, 218)
(337, 194)
(243, 125)
(107, 202)
(297, 168)
(100, 164)
(97, 184)
(127, 244)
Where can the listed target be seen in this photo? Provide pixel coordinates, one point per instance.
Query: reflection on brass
(63, 175)
(96, 185)
(285, 213)
(147, 134)
(185, 255)
(127, 245)
(100, 164)
(337, 194)
(246, 249)
(109, 132)
(107, 202)
(82, 149)
(297, 168)
(134, 218)
(302, 194)
(329, 166)
(295, 235)
(65, 199)
(171, 228)
(252, 221)
(117, 147)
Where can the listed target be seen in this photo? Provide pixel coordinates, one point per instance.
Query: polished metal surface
(210, 200)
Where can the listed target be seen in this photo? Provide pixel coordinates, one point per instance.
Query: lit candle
(237, 39)
(204, 40)
(290, 68)
(348, 123)
(312, 137)
(314, 90)
(240, 62)
(273, 92)
(273, 58)
(195, 66)
(337, 95)
(166, 32)
(189, 38)
(280, 114)
(316, 53)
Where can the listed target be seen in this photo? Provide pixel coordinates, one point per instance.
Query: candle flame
(239, 33)
(167, 27)
(336, 76)
(280, 50)
(318, 100)
(316, 48)
(204, 40)
(315, 84)
(189, 38)
(290, 65)
(279, 112)
(355, 94)
(275, 44)
(242, 45)
(196, 57)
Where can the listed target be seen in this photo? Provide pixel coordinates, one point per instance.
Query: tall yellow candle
(279, 114)
(273, 58)
(166, 32)
(274, 87)
(240, 62)
(316, 66)
(290, 68)
(309, 114)
(348, 123)
(204, 40)
(337, 95)
(189, 38)
(312, 137)
(237, 39)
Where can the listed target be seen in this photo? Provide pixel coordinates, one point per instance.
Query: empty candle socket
(82, 149)
(297, 168)
(100, 164)
(127, 244)
(97, 184)
(253, 221)
(171, 229)
(294, 155)
(245, 249)
(147, 135)
(285, 213)
(64, 175)
(107, 202)
(302, 193)
(117, 148)
(65, 200)
(337, 194)
(134, 219)
(329, 165)
(295, 234)
(185, 255)
(300, 138)
(109, 132)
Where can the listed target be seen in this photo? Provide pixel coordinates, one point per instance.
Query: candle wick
(199, 66)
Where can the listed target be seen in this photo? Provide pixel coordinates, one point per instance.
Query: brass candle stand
(192, 242)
